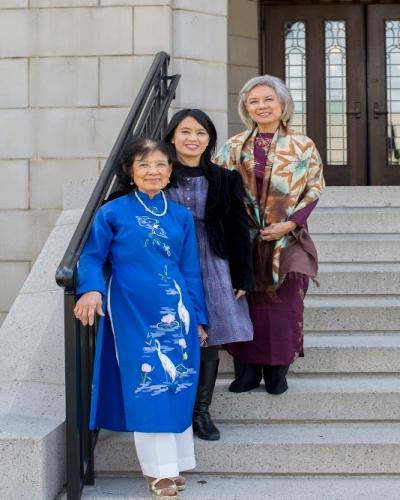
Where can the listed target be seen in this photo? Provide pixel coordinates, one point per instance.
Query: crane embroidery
(167, 364)
(165, 353)
(183, 313)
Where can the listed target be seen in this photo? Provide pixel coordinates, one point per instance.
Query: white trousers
(165, 454)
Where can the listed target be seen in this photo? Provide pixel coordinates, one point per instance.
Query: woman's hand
(87, 306)
(276, 231)
(239, 293)
(202, 336)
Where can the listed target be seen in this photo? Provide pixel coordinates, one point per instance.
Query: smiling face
(264, 108)
(151, 172)
(190, 140)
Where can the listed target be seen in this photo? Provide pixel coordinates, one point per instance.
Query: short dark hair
(138, 146)
(205, 122)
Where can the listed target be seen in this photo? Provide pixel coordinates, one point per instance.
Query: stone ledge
(333, 354)
(32, 461)
(313, 448)
(330, 397)
(266, 487)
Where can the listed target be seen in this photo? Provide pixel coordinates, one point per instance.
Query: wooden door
(330, 94)
(383, 53)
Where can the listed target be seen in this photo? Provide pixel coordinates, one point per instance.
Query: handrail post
(72, 398)
(86, 391)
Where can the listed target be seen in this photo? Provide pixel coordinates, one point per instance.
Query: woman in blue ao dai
(147, 351)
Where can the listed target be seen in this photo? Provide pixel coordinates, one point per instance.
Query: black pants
(249, 376)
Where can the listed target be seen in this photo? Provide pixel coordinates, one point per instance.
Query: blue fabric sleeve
(94, 254)
(190, 269)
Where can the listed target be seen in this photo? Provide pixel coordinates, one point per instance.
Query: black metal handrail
(147, 117)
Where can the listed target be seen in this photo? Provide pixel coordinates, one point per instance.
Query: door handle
(376, 112)
(357, 110)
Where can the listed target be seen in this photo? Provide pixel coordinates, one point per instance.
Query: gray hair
(280, 89)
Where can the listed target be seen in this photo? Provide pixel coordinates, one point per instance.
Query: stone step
(357, 277)
(239, 487)
(367, 313)
(354, 220)
(360, 196)
(302, 448)
(313, 397)
(352, 353)
(358, 247)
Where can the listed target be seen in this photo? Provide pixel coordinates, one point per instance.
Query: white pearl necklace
(149, 209)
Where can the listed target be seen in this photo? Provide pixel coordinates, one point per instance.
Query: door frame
(373, 136)
(354, 172)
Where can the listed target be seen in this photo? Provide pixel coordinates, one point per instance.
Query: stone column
(200, 55)
(243, 46)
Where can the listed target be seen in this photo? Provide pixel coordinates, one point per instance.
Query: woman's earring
(131, 183)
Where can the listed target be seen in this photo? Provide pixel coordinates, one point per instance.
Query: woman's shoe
(239, 385)
(247, 377)
(275, 379)
(203, 426)
(180, 482)
(164, 493)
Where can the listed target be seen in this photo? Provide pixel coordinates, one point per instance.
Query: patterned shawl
(293, 179)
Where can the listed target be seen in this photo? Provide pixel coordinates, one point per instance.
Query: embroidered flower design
(182, 343)
(152, 224)
(168, 318)
(146, 368)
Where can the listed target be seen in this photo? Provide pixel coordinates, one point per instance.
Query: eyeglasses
(145, 166)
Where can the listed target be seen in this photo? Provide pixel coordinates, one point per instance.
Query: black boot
(247, 377)
(275, 379)
(203, 426)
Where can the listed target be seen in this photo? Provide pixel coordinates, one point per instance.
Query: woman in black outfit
(215, 197)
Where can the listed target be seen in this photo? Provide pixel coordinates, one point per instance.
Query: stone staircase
(336, 433)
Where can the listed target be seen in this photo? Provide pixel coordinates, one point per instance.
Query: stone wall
(243, 50)
(69, 71)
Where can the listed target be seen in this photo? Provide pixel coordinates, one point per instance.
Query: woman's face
(264, 108)
(151, 173)
(190, 140)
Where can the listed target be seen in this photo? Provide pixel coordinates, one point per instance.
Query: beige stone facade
(69, 71)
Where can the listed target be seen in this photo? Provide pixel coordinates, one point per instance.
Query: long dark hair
(205, 122)
(138, 146)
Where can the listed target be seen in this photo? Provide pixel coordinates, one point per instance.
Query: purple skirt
(229, 319)
(278, 327)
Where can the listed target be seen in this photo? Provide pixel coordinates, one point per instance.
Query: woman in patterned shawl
(282, 175)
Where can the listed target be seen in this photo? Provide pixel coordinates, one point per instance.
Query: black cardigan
(227, 223)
